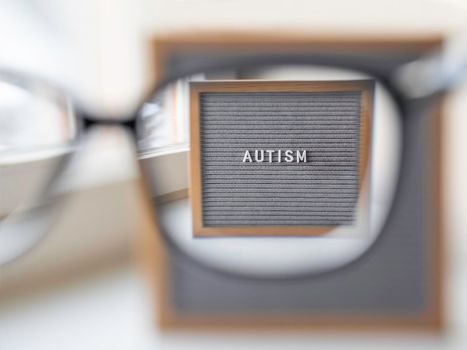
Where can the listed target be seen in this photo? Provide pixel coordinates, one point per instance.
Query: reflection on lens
(37, 125)
(290, 169)
(33, 116)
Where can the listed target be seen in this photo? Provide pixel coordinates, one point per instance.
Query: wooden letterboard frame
(175, 311)
(236, 124)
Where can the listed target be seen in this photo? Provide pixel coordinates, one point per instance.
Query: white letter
(301, 157)
(262, 156)
(270, 152)
(288, 156)
(279, 156)
(247, 157)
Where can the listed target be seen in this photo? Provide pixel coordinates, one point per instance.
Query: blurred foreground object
(393, 283)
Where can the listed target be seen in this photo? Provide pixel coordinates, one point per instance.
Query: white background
(79, 289)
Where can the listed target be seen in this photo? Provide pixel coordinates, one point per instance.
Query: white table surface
(111, 309)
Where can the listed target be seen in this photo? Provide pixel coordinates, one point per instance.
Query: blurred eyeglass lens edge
(38, 127)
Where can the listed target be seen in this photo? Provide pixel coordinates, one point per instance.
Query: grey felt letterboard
(279, 158)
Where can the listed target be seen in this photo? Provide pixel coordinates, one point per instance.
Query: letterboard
(278, 158)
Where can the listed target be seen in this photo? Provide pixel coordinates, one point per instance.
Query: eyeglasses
(283, 176)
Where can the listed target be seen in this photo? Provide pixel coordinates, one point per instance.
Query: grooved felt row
(322, 191)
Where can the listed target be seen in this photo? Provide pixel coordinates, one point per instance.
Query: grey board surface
(320, 189)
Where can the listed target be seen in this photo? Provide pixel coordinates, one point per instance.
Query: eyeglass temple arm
(435, 73)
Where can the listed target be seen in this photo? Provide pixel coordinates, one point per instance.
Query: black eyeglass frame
(343, 60)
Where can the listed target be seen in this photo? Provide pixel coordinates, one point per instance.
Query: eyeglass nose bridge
(89, 121)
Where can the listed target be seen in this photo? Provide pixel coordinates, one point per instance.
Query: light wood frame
(366, 87)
